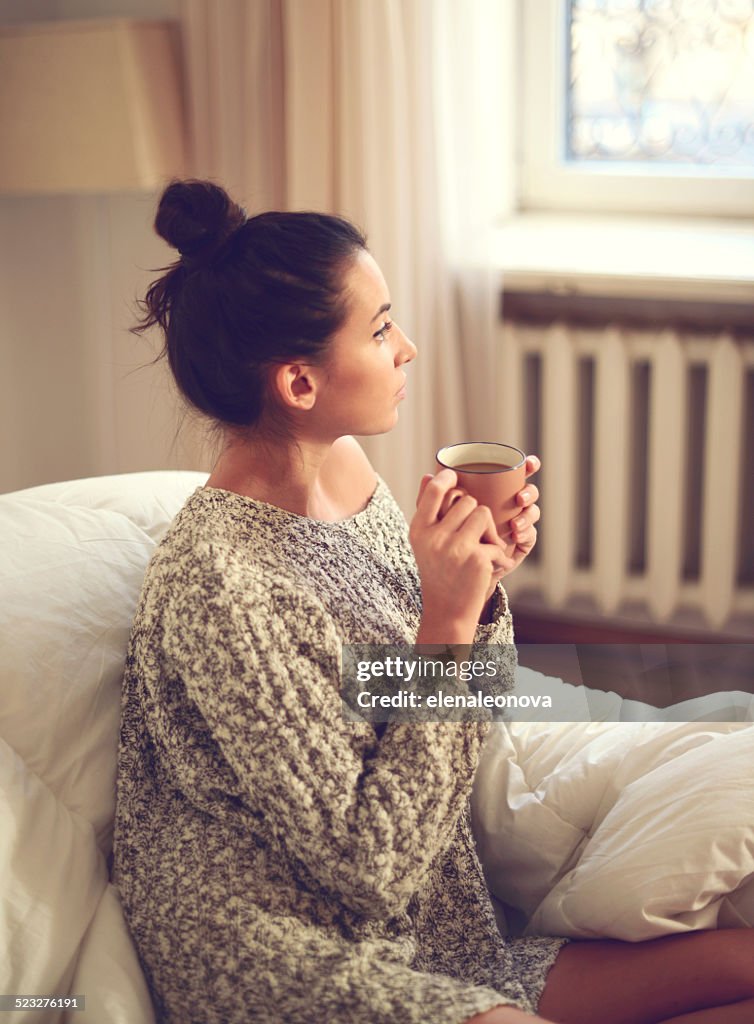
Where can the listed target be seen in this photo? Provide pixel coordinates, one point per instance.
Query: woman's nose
(407, 350)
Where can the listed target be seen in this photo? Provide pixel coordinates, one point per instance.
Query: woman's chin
(373, 431)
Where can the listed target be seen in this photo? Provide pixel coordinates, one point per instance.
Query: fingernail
(526, 495)
(520, 523)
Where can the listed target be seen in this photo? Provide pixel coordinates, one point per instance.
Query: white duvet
(625, 829)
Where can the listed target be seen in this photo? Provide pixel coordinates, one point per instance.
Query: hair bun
(196, 217)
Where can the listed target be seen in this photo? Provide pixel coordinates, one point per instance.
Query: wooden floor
(655, 667)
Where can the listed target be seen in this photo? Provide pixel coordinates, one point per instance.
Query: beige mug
(489, 471)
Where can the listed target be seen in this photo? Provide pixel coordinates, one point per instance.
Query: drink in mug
(489, 471)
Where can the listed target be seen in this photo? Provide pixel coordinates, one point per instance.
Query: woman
(278, 863)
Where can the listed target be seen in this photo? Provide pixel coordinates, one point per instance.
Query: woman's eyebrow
(383, 309)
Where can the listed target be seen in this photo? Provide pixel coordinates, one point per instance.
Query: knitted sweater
(276, 862)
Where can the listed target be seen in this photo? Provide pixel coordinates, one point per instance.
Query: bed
(626, 828)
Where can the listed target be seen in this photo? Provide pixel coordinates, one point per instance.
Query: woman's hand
(456, 555)
(522, 535)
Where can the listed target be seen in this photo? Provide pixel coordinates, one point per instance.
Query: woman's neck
(288, 476)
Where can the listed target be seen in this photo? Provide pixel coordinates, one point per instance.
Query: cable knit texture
(276, 862)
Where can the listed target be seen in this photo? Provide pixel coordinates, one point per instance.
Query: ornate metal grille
(663, 81)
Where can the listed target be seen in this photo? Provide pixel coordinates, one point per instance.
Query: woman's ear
(296, 385)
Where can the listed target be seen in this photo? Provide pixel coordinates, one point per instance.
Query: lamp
(90, 106)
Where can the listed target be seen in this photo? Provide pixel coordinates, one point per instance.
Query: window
(638, 106)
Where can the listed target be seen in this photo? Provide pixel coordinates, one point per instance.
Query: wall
(70, 271)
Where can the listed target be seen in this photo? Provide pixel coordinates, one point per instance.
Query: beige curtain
(391, 112)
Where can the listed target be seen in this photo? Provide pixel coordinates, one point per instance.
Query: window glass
(661, 82)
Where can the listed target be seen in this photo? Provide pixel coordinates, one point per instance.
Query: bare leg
(506, 1015)
(660, 980)
(734, 1013)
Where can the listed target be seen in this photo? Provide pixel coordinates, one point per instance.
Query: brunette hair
(246, 293)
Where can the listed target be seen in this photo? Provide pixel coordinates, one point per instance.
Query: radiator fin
(722, 487)
(612, 447)
(666, 440)
(746, 520)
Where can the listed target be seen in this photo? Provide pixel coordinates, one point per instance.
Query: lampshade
(90, 106)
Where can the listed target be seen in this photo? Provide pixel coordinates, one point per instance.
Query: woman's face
(363, 375)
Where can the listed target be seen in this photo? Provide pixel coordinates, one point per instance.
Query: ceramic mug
(489, 471)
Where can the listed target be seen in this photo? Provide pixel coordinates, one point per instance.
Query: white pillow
(108, 973)
(72, 561)
(52, 877)
(150, 499)
(71, 568)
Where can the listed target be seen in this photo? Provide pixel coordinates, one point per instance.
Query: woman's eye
(384, 328)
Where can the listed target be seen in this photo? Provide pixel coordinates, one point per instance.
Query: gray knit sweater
(276, 862)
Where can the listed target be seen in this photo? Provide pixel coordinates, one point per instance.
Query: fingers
(467, 514)
(459, 511)
(533, 465)
(451, 497)
(440, 501)
(527, 517)
(526, 541)
(501, 561)
(432, 491)
(528, 496)
(521, 526)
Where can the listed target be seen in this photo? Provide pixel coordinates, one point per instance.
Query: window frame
(547, 182)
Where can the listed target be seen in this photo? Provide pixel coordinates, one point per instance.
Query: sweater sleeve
(260, 660)
(500, 629)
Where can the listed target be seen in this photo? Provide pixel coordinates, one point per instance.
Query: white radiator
(647, 444)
